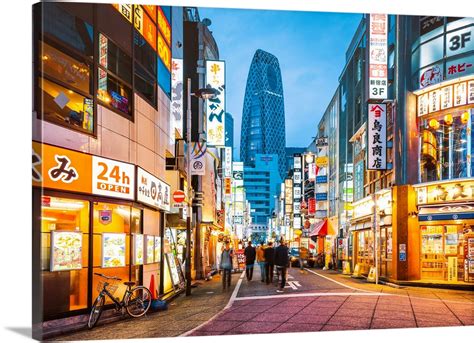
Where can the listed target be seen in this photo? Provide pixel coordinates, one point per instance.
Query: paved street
(313, 300)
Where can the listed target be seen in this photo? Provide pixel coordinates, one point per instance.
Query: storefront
(446, 222)
(362, 232)
(89, 222)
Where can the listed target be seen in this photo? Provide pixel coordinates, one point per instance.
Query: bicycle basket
(112, 286)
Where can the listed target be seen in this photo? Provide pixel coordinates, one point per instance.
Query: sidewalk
(183, 314)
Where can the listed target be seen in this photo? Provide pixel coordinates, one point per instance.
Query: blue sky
(310, 47)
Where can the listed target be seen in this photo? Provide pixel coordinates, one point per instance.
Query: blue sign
(321, 196)
(322, 179)
(402, 256)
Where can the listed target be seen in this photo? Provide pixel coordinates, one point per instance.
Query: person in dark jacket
(226, 265)
(281, 262)
(250, 254)
(269, 254)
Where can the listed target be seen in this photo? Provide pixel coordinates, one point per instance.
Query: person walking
(250, 254)
(226, 265)
(269, 254)
(281, 262)
(261, 260)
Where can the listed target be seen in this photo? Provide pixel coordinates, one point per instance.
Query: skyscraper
(229, 130)
(263, 117)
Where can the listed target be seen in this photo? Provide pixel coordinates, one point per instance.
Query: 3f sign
(459, 41)
(378, 91)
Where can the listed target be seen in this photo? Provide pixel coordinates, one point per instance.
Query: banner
(198, 154)
(377, 137)
(215, 107)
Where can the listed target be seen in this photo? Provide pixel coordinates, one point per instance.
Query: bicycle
(136, 301)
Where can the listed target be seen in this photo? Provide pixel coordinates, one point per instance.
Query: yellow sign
(164, 52)
(452, 269)
(322, 161)
(446, 192)
(125, 10)
(164, 26)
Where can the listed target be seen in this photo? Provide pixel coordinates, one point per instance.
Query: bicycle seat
(129, 283)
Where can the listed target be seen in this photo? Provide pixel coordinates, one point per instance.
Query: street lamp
(203, 93)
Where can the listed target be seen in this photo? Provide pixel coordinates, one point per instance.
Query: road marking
(339, 283)
(293, 284)
(229, 304)
(301, 295)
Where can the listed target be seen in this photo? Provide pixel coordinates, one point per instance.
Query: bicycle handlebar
(108, 277)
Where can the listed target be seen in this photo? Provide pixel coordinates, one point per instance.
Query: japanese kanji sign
(228, 162)
(377, 137)
(378, 26)
(215, 108)
(176, 108)
(152, 191)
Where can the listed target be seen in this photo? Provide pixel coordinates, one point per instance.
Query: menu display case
(66, 250)
(150, 249)
(137, 249)
(113, 250)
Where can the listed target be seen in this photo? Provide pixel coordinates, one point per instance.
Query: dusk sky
(310, 47)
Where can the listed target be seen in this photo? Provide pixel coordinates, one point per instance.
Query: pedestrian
(226, 265)
(281, 262)
(269, 254)
(250, 254)
(261, 260)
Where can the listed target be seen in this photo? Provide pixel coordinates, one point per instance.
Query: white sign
(312, 171)
(378, 56)
(198, 161)
(460, 97)
(297, 162)
(446, 97)
(113, 178)
(296, 207)
(215, 108)
(470, 92)
(296, 222)
(423, 101)
(377, 137)
(434, 103)
(297, 177)
(176, 107)
(228, 162)
(459, 42)
(152, 191)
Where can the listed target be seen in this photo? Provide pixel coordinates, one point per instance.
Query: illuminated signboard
(125, 10)
(215, 107)
(377, 137)
(228, 162)
(144, 25)
(378, 56)
(164, 26)
(152, 191)
(164, 52)
(176, 108)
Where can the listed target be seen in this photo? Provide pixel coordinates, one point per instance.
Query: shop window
(64, 254)
(62, 67)
(114, 93)
(145, 84)
(68, 29)
(113, 226)
(446, 139)
(66, 107)
(114, 59)
(144, 53)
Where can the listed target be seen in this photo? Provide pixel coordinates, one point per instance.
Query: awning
(447, 212)
(319, 229)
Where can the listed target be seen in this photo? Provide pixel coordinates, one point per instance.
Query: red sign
(311, 206)
(179, 196)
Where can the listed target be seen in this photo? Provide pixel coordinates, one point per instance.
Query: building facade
(263, 115)
(229, 131)
(262, 185)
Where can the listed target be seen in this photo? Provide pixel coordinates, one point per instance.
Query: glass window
(114, 92)
(115, 59)
(68, 29)
(60, 66)
(66, 290)
(445, 145)
(144, 53)
(164, 78)
(65, 106)
(145, 84)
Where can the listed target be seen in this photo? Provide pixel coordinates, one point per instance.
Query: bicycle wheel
(138, 301)
(96, 311)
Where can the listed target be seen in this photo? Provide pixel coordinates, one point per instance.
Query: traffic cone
(153, 288)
